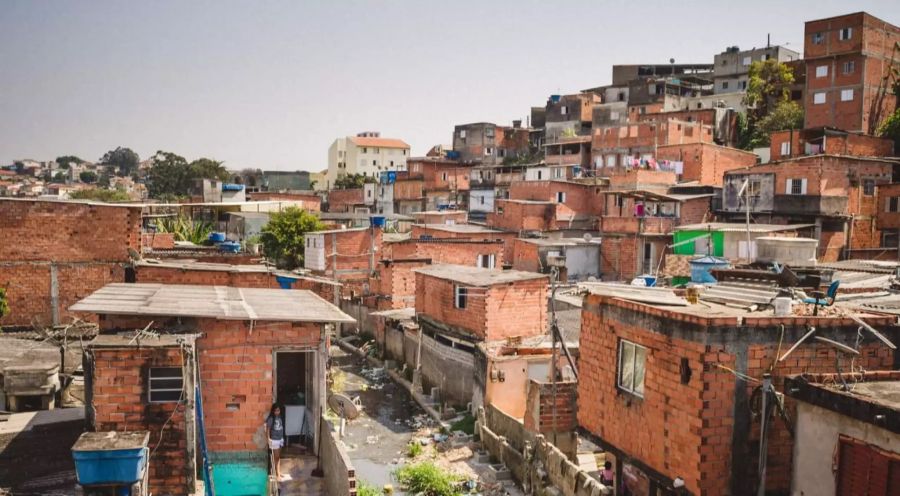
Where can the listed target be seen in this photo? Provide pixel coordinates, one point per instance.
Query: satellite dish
(587, 237)
(346, 407)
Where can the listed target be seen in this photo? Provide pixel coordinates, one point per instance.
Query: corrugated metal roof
(218, 302)
(740, 227)
(642, 294)
(474, 276)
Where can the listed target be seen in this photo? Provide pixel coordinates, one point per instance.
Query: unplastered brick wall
(526, 256)
(450, 217)
(236, 366)
(173, 275)
(706, 162)
(68, 231)
(694, 414)
(313, 203)
(580, 198)
(343, 200)
(77, 247)
(551, 408)
(492, 312)
(119, 400)
(508, 238)
(449, 250)
(518, 216)
(158, 241)
(350, 253)
(396, 283)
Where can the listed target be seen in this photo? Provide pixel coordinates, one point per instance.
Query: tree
(352, 181)
(170, 174)
(58, 178)
(205, 168)
(103, 180)
(785, 115)
(103, 195)
(283, 237)
(768, 85)
(67, 160)
(125, 160)
(88, 176)
(250, 177)
(890, 126)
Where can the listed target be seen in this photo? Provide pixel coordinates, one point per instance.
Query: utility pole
(764, 433)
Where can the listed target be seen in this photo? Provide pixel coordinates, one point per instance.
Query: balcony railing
(639, 225)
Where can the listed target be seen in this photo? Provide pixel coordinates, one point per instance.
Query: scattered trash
(371, 439)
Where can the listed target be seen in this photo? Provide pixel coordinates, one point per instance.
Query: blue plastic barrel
(377, 221)
(217, 237)
(123, 466)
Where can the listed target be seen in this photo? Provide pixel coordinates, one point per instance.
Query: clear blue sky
(272, 84)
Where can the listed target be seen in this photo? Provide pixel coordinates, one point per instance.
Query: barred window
(166, 384)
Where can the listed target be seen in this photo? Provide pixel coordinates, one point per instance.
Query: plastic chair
(821, 299)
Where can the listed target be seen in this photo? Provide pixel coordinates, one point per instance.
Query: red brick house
(472, 232)
(847, 58)
(459, 306)
(827, 141)
(251, 347)
(306, 201)
(657, 388)
(836, 193)
(345, 255)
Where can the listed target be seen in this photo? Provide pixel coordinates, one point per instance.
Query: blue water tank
(110, 457)
(453, 154)
(701, 267)
(217, 237)
(230, 247)
(377, 221)
(285, 282)
(555, 98)
(232, 187)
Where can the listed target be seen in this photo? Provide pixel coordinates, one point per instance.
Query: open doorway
(294, 373)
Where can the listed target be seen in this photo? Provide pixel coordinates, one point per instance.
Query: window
(540, 175)
(621, 96)
(786, 149)
(460, 295)
(488, 151)
(444, 176)
(365, 150)
(866, 469)
(821, 71)
(724, 85)
(796, 187)
(747, 61)
(481, 200)
(846, 95)
(166, 384)
(631, 367)
(819, 98)
(742, 85)
(845, 34)
(868, 187)
(486, 261)
(462, 134)
(768, 56)
(564, 110)
(560, 197)
(890, 238)
(374, 163)
(892, 204)
(849, 67)
(610, 160)
(613, 116)
(818, 38)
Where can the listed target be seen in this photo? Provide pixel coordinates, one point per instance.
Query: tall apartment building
(846, 59)
(366, 153)
(490, 144)
(731, 67)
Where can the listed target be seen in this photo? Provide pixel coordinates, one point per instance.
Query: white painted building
(366, 153)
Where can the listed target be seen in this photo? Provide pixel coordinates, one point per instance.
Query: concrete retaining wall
(340, 476)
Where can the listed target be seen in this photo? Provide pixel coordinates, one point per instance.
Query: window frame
(848, 67)
(824, 96)
(849, 35)
(868, 186)
(151, 390)
(633, 388)
(486, 257)
(821, 71)
(460, 297)
(844, 92)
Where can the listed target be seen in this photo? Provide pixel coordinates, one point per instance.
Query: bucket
(783, 306)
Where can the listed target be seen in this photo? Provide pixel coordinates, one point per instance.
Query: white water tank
(788, 251)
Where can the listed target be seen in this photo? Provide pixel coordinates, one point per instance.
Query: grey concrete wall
(449, 369)
(816, 442)
(583, 261)
(339, 472)
(393, 344)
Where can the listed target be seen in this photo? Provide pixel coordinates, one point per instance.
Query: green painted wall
(718, 242)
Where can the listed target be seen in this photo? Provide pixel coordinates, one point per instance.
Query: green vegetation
(172, 176)
(352, 181)
(769, 106)
(125, 160)
(67, 160)
(59, 177)
(428, 479)
(4, 303)
(465, 424)
(283, 237)
(185, 229)
(87, 176)
(366, 489)
(101, 195)
(890, 126)
(414, 449)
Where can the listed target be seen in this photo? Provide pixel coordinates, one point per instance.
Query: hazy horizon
(271, 85)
